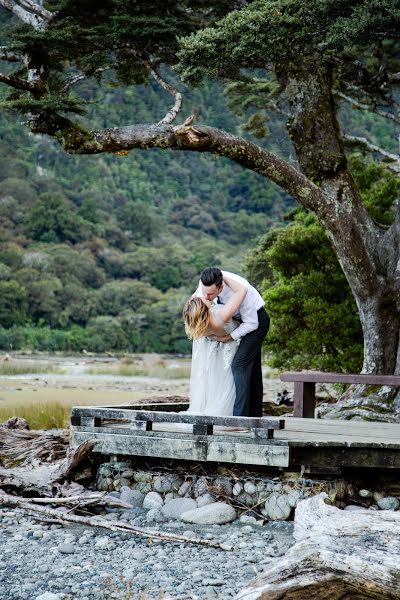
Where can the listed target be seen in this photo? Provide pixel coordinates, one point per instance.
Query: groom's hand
(221, 338)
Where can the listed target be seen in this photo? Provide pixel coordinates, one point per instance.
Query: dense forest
(100, 253)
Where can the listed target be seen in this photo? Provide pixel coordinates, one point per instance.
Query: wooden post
(304, 399)
(202, 429)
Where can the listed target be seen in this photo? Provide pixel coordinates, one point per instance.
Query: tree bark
(338, 554)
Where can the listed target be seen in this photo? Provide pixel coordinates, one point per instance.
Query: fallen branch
(96, 521)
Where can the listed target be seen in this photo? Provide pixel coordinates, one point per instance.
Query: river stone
(293, 497)
(143, 477)
(200, 487)
(143, 487)
(185, 488)
(155, 516)
(237, 488)
(133, 497)
(389, 503)
(354, 508)
(365, 494)
(129, 474)
(49, 596)
(223, 483)
(166, 483)
(217, 513)
(66, 548)
(250, 488)
(205, 499)
(104, 543)
(153, 500)
(174, 508)
(278, 507)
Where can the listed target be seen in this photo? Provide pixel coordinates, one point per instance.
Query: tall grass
(22, 368)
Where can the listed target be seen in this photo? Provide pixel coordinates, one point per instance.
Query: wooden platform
(315, 445)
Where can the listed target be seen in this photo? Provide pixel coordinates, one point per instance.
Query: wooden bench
(304, 386)
(98, 417)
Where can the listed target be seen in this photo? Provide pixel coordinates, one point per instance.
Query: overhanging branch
(120, 140)
(17, 83)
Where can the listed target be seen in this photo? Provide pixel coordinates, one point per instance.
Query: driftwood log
(36, 461)
(337, 555)
(34, 505)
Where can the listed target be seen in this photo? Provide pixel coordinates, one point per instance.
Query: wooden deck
(313, 445)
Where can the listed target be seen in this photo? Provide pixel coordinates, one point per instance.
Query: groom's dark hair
(211, 276)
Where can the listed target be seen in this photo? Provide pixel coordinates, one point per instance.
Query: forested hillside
(99, 253)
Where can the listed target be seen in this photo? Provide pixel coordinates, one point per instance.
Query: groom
(246, 365)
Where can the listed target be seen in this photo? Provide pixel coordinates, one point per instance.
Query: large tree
(302, 58)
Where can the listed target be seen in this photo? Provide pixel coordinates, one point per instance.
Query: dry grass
(22, 368)
(160, 371)
(39, 415)
(51, 409)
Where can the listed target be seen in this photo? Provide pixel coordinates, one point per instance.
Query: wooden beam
(321, 377)
(201, 448)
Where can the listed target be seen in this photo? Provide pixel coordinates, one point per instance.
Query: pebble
(66, 548)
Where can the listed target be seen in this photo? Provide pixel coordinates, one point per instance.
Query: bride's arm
(232, 306)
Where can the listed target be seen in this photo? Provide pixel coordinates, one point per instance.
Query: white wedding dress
(212, 388)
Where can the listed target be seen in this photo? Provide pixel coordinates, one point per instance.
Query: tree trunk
(368, 254)
(338, 554)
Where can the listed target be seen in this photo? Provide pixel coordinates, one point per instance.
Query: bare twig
(171, 114)
(368, 107)
(362, 141)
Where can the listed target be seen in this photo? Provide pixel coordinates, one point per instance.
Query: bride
(212, 388)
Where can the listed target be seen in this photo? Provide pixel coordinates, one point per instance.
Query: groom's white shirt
(247, 310)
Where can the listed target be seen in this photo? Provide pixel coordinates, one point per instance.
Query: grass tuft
(22, 368)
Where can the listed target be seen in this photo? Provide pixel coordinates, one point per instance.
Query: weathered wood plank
(200, 448)
(165, 430)
(346, 457)
(167, 417)
(321, 377)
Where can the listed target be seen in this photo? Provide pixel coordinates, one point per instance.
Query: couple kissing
(227, 321)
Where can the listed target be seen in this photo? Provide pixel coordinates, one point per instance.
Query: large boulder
(217, 513)
(176, 507)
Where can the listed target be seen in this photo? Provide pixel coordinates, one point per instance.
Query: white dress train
(212, 388)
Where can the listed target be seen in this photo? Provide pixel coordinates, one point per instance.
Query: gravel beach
(42, 561)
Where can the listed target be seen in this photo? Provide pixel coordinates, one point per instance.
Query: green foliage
(13, 303)
(379, 188)
(275, 31)
(53, 219)
(314, 322)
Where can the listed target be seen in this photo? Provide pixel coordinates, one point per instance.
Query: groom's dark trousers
(246, 369)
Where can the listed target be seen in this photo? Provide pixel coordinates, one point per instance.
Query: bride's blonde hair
(196, 316)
